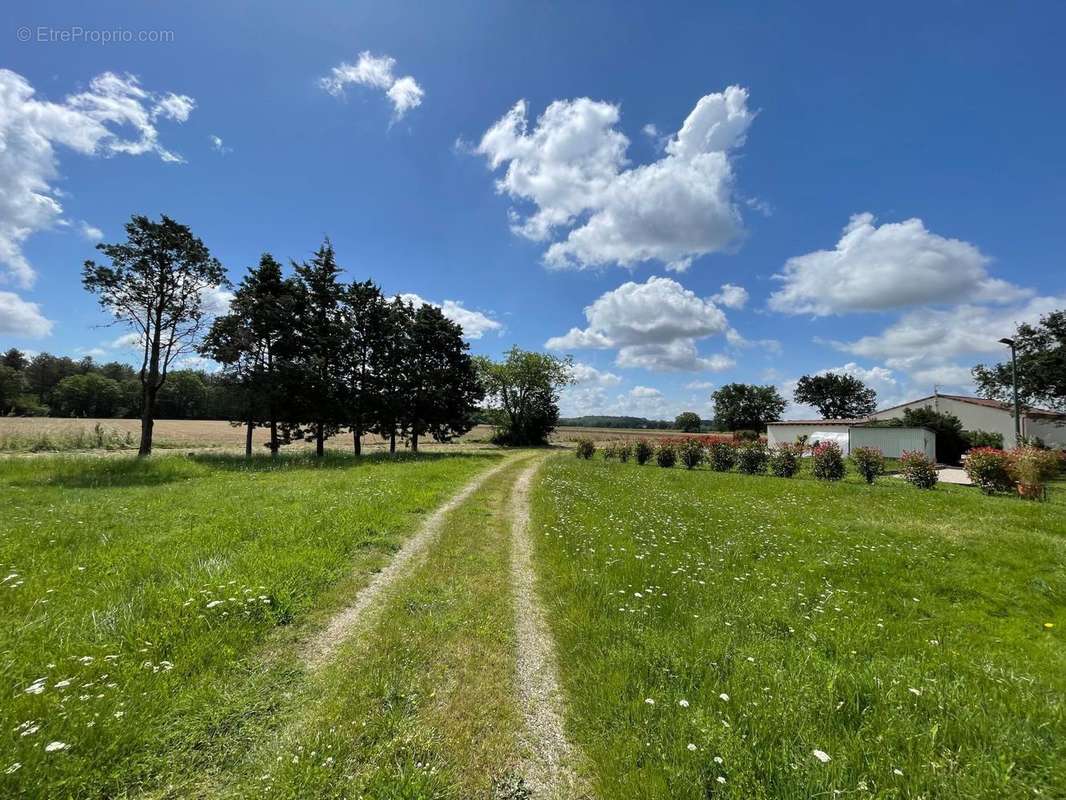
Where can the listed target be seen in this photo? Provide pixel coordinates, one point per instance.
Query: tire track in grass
(548, 755)
(340, 626)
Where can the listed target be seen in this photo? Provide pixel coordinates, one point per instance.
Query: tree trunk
(320, 440)
(414, 442)
(357, 441)
(248, 438)
(274, 438)
(392, 442)
(147, 422)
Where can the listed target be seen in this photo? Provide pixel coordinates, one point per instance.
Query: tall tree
(14, 359)
(744, 406)
(444, 388)
(523, 394)
(836, 396)
(319, 347)
(392, 368)
(688, 421)
(252, 344)
(11, 388)
(1041, 353)
(155, 285)
(364, 320)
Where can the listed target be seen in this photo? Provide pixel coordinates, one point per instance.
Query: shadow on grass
(331, 460)
(105, 473)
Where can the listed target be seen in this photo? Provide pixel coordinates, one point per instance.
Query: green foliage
(643, 450)
(88, 395)
(666, 455)
(155, 285)
(1034, 466)
(691, 453)
(979, 438)
(522, 393)
(918, 469)
(836, 396)
(624, 449)
(746, 435)
(63, 441)
(784, 460)
(1041, 353)
(741, 405)
(610, 450)
(688, 421)
(990, 469)
(869, 461)
(752, 458)
(951, 440)
(722, 456)
(827, 461)
(586, 448)
(11, 388)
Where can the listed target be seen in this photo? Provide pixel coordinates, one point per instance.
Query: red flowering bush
(869, 461)
(691, 452)
(666, 455)
(918, 469)
(722, 456)
(827, 461)
(990, 469)
(643, 451)
(785, 460)
(752, 458)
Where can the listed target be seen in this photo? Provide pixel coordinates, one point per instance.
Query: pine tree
(363, 314)
(444, 389)
(318, 349)
(392, 368)
(251, 342)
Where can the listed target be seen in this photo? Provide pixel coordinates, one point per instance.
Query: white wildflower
(683, 703)
(52, 747)
(723, 696)
(692, 747)
(822, 756)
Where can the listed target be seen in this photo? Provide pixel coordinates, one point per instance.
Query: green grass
(421, 704)
(152, 609)
(901, 632)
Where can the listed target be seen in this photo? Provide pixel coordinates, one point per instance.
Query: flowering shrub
(610, 450)
(869, 461)
(691, 452)
(624, 451)
(666, 455)
(643, 451)
(585, 448)
(752, 458)
(918, 469)
(723, 456)
(990, 469)
(785, 460)
(1033, 466)
(827, 461)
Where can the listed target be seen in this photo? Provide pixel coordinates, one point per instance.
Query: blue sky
(885, 189)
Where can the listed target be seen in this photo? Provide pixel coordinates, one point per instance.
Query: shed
(816, 430)
(892, 442)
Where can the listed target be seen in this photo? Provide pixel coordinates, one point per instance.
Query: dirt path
(548, 754)
(341, 625)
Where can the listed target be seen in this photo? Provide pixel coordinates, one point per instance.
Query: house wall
(973, 417)
(893, 441)
(1052, 434)
(783, 433)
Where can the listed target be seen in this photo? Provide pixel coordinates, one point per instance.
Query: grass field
(151, 610)
(723, 635)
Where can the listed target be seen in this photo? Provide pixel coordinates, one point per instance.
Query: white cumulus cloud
(873, 268)
(19, 317)
(731, 296)
(474, 323)
(115, 115)
(377, 72)
(653, 325)
(572, 168)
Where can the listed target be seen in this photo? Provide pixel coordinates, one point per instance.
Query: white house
(977, 413)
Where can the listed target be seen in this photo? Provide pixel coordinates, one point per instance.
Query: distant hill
(616, 422)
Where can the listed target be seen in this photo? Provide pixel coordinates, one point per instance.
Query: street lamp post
(1014, 381)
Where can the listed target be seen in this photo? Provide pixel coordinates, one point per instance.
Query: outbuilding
(852, 433)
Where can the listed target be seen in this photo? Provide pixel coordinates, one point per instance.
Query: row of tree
(60, 386)
(309, 356)
(745, 406)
